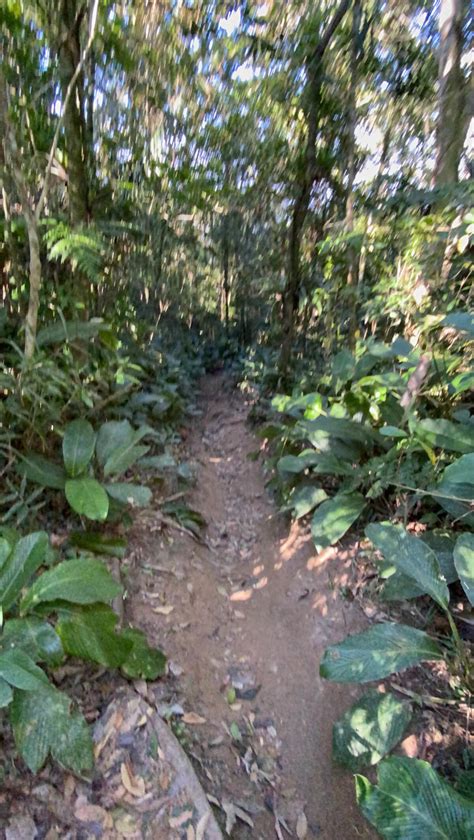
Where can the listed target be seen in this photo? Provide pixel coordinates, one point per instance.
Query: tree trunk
(353, 262)
(75, 129)
(225, 270)
(9, 156)
(31, 320)
(303, 190)
(451, 98)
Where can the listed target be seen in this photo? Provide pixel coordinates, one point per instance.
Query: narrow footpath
(244, 618)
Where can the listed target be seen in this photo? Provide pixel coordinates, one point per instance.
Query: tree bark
(75, 129)
(303, 190)
(353, 262)
(452, 94)
(10, 158)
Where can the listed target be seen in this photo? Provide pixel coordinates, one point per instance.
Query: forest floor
(243, 613)
(244, 617)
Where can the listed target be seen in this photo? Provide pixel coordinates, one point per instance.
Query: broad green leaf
(464, 562)
(460, 471)
(392, 431)
(297, 463)
(462, 382)
(82, 581)
(89, 633)
(97, 543)
(457, 500)
(78, 447)
(130, 494)
(334, 518)
(122, 459)
(411, 556)
(345, 430)
(27, 556)
(158, 462)
(19, 670)
(143, 662)
(400, 587)
(411, 802)
(6, 693)
(117, 448)
(43, 723)
(42, 471)
(378, 652)
(87, 498)
(112, 436)
(370, 729)
(462, 321)
(328, 464)
(35, 637)
(443, 434)
(305, 499)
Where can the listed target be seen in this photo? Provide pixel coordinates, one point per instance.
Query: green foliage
(412, 557)
(378, 652)
(63, 611)
(411, 802)
(370, 729)
(464, 562)
(334, 518)
(116, 451)
(43, 723)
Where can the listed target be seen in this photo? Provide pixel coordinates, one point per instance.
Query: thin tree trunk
(451, 119)
(31, 320)
(353, 263)
(74, 125)
(10, 157)
(303, 190)
(225, 269)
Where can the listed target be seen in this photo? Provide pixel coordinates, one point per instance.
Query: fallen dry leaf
(301, 826)
(193, 719)
(233, 813)
(127, 826)
(201, 826)
(85, 812)
(241, 595)
(135, 785)
(183, 817)
(167, 609)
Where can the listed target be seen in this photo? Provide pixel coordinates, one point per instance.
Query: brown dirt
(244, 620)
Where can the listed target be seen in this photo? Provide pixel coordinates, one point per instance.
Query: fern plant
(84, 249)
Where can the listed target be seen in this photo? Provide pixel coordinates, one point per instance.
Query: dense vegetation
(284, 188)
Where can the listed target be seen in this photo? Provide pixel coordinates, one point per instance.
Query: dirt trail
(254, 610)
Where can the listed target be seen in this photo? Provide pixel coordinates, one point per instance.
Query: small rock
(21, 828)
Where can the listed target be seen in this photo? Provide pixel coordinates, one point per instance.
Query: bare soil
(244, 618)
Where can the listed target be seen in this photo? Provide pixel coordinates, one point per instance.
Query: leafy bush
(63, 611)
(373, 438)
(115, 448)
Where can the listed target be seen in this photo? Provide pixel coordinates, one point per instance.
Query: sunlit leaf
(464, 562)
(412, 802)
(87, 498)
(378, 652)
(370, 729)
